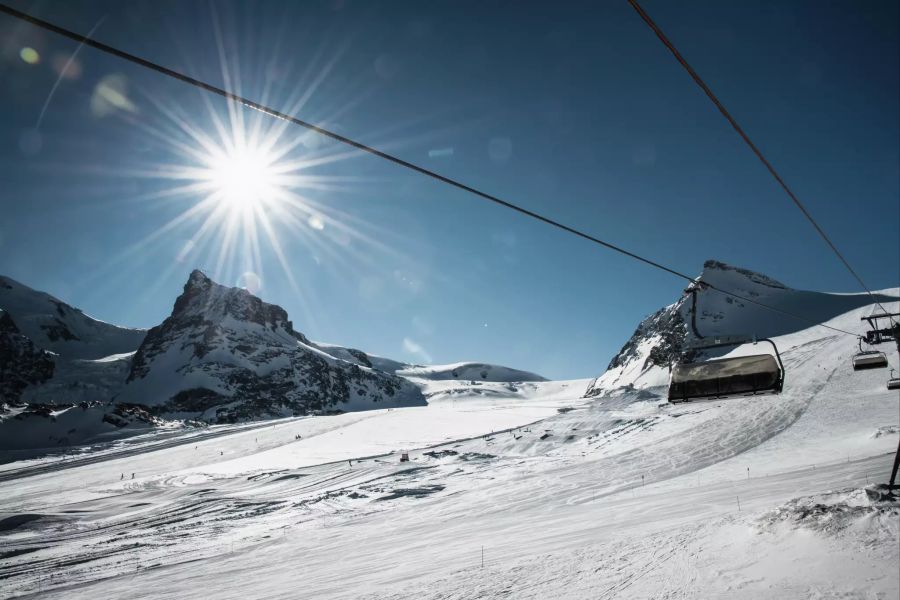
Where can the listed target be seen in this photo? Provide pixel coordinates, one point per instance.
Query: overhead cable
(87, 41)
(709, 93)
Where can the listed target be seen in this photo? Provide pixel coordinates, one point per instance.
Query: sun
(245, 193)
(243, 178)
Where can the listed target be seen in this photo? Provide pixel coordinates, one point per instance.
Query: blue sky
(572, 109)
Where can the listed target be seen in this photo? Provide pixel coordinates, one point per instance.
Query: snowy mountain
(643, 362)
(620, 495)
(225, 355)
(468, 371)
(462, 371)
(53, 325)
(616, 495)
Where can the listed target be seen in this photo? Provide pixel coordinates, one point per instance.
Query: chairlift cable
(709, 93)
(87, 41)
(328, 133)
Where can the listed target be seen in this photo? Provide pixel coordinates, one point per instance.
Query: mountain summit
(225, 355)
(222, 355)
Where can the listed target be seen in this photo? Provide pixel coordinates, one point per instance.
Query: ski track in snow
(616, 496)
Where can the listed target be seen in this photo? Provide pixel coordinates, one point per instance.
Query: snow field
(620, 495)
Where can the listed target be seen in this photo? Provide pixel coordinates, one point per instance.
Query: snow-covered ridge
(223, 354)
(470, 371)
(53, 325)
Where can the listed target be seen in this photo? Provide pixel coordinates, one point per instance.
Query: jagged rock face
(668, 327)
(228, 355)
(657, 342)
(201, 314)
(21, 364)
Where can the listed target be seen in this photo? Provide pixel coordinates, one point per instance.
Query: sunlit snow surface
(622, 496)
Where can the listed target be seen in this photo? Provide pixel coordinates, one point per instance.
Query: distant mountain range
(222, 355)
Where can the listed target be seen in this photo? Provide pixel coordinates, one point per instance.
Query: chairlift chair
(869, 359)
(727, 377)
(893, 382)
(693, 379)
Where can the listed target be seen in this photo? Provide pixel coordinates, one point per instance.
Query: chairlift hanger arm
(881, 316)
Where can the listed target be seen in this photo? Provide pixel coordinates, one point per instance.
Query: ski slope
(617, 495)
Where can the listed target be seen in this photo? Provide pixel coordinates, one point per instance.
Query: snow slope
(613, 495)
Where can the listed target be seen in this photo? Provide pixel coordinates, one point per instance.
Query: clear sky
(109, 196)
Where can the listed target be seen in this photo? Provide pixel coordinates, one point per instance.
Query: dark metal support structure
(893, 482)
(878, 334)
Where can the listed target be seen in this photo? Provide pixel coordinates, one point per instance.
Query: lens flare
(243, 192)
(29, 55)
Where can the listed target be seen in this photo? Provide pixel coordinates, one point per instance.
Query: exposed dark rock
(21, 363)
(668, 325)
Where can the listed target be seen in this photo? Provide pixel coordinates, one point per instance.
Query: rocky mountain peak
(205, 299)
(226, 354)
(198, 276)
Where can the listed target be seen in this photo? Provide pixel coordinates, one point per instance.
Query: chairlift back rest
(724, 377)
(869, 360)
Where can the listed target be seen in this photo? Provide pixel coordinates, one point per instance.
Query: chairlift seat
(893, 383)
(726, 377)
(870, 359)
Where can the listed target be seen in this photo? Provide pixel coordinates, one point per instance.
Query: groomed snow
(621, 495)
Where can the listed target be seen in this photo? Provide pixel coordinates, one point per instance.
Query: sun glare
(243, 178)
(252, 193)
